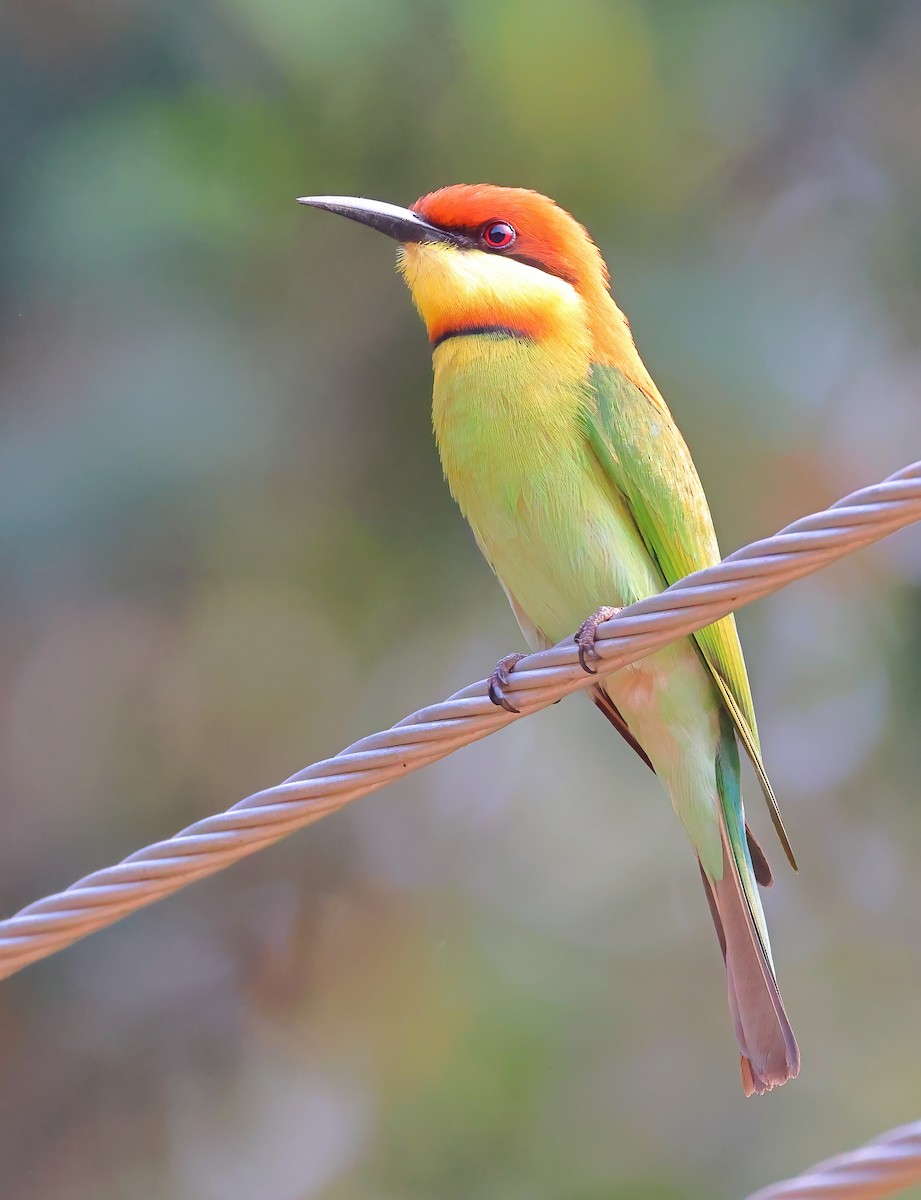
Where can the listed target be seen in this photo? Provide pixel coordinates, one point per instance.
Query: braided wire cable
(888, 1164)
(432, 733)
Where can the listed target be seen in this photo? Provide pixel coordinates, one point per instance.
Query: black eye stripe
(542, 266)
(471, 241)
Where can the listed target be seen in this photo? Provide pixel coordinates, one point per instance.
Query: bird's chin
(436, 276)
(419, 262)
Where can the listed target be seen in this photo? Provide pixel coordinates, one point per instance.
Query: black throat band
(501, 331)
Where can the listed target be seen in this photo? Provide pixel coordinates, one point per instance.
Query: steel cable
(888, 1164)
(211, 844)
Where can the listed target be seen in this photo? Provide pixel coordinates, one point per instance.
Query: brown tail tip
(752, 1084)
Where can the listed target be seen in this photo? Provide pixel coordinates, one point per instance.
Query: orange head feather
(545, 233)
(548, 238)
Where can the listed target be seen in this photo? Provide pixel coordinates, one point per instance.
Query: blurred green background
(226, 550)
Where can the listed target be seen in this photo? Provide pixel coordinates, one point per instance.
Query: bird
(583, 498)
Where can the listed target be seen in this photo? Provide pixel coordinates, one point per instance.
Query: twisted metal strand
(888, 1164)
(432, 733)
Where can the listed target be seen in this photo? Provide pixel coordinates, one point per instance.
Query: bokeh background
(226, 550)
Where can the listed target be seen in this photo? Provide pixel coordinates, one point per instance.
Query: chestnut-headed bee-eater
(581, 492)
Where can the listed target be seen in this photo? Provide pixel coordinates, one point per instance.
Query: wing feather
(645, 457)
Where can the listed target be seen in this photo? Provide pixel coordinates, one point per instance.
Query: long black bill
(398, 223)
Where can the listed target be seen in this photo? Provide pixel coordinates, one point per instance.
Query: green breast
(509, 424)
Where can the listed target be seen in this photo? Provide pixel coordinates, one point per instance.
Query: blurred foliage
(226, 550)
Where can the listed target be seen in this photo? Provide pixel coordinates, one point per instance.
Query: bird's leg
(588, 631)
(499, 680)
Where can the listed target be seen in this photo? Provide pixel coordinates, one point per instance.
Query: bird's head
(477, 256)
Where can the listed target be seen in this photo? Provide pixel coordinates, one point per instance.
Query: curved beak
(398, 223)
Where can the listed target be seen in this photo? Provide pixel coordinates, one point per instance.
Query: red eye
(498, 235)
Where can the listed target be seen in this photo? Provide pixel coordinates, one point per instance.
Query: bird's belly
(560, 558)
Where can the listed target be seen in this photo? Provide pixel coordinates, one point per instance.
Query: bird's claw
(588, 632)
(500, 679)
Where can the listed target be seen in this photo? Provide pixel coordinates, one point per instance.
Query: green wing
(643, 454)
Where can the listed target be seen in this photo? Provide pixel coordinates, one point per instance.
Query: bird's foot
(588, 632)
(500, 679)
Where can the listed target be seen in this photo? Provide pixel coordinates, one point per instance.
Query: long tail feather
(770, 1055)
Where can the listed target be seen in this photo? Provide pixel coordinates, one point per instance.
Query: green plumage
(583, 493)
